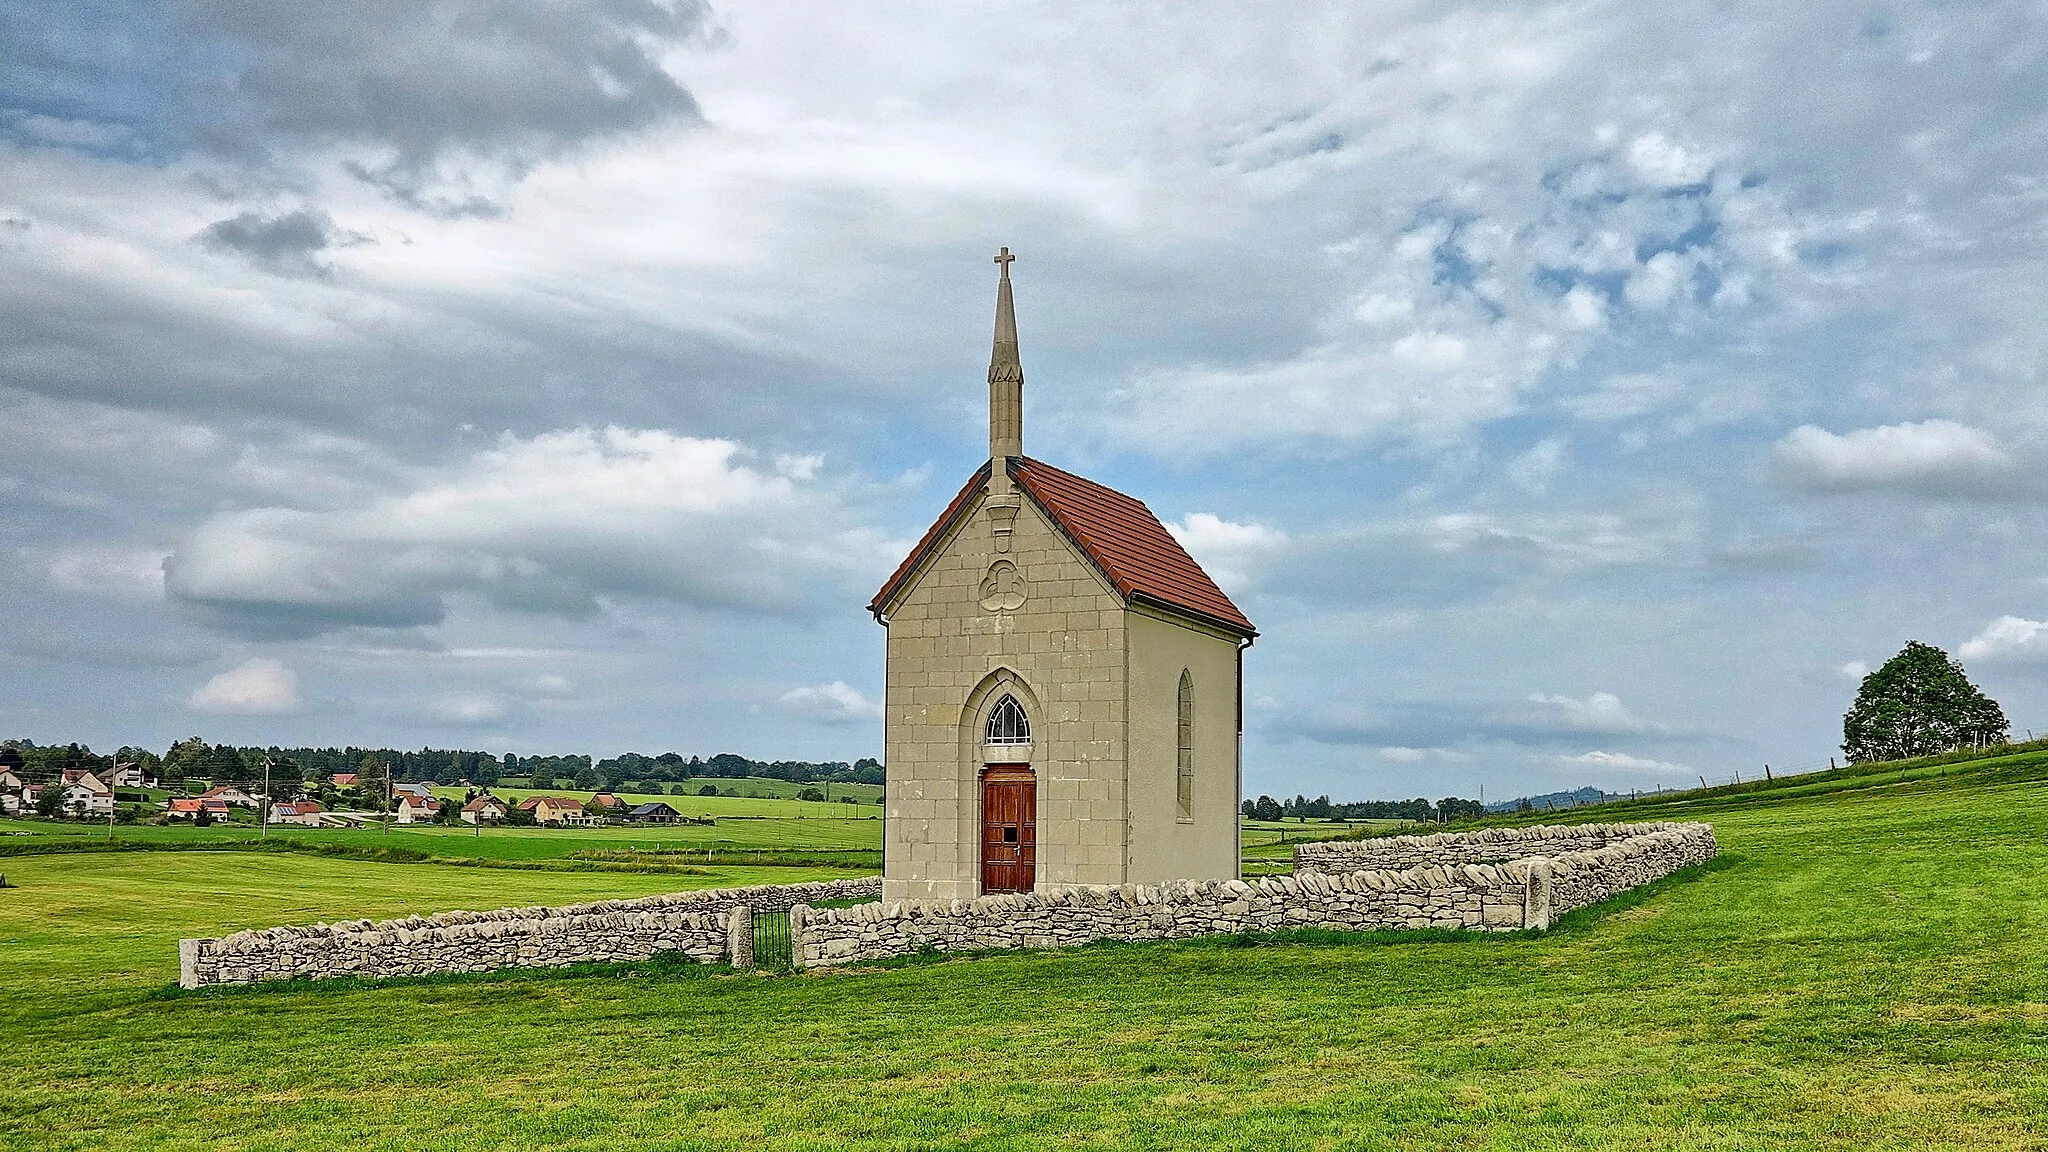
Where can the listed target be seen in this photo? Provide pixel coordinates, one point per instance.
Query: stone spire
(1005, 409)
(1005, 374)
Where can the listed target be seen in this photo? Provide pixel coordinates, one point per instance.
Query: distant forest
(227, 764)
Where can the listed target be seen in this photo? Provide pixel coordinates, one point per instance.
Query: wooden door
(1009, 828)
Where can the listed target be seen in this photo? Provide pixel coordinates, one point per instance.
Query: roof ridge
(1114, 531)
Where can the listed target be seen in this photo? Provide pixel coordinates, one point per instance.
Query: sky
(1573, 394)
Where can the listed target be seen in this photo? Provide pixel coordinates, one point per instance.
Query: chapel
(1063, 690)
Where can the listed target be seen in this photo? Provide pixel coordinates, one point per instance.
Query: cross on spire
(1003, 258)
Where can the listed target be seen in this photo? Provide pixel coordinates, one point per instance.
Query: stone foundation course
(1494, 880)
(711, 925)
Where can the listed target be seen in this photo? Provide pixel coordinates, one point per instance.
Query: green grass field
(1866, 968)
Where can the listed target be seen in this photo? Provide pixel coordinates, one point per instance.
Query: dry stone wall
(1498, 885)
(1486, 845)
(701, 925)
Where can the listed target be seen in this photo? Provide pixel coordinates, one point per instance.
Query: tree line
(1321, 808)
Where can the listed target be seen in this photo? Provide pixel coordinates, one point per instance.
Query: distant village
(340, 800)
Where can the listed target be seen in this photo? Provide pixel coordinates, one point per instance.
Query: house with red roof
(302, 812)
(485, 809)
(229, 794)
(189, 808)
(343, 779)
(558, 811)
(414, 808)
(1044, 621)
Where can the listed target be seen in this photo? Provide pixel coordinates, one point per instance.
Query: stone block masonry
(702, 925)
(1498, 885)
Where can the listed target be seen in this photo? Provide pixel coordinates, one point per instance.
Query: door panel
(1009, 828)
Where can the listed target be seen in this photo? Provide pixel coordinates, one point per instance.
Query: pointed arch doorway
(1009, 800)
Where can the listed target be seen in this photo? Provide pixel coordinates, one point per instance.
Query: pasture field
(1864, 968)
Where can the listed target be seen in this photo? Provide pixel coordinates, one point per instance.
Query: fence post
(799, 925)
(739, 936)
(188, 963)
(1536, 894)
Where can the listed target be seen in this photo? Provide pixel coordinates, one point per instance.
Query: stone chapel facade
(1063, 684)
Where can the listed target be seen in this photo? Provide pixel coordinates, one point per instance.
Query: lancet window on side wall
(1007, 724)
(1185, 747)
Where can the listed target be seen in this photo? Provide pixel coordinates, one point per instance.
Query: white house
(417, 809)
(484, 810)
(82, 799)
(230, 794)
(124, 776)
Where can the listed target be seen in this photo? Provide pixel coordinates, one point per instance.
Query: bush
(811, 794)
(708, 790)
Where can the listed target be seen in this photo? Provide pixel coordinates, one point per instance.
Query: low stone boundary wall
(1524, 892)
(1485, 845)
(704, 925)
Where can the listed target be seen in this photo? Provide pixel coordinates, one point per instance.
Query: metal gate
(771, 941)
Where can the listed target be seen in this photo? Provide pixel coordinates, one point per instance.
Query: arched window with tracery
(1185, 747)
(1007, 723)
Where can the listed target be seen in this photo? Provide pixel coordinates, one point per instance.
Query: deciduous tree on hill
(1918, 704)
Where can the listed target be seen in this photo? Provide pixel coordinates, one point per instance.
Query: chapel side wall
(1066, 643)
(1162, 846)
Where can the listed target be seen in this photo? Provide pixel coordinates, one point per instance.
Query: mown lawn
(1869, 969)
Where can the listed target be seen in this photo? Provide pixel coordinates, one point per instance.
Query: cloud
(1533, 470)
(547, 525)
(1410, 729)
(113, 571)
(1599, 712)
(469, 708)
(1230, 552)
(1623, 762)
(1933, 457)
(257, 686)
(833, 703)
(283, 243)
(417, 95)
(2008, 637)
(1855, 670)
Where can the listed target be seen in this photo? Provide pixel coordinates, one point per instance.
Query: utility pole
(115, 806)
(265, 833)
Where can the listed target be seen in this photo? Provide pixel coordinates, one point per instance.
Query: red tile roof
(901, 576)
(1118, 534)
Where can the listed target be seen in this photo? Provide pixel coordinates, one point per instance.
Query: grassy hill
(1867, 967)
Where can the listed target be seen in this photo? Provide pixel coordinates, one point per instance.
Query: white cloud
(258, 686)
(1402, 754)
(2007, 637)
(1939, 457)
(122, 573)
(1663, 163)
(1230, 552)
(1855, 670)
(469, 708)
(1599, 712)
(1623, 762)
(834, 703)
(553, 687)
(1533, 470)
(547, 524)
